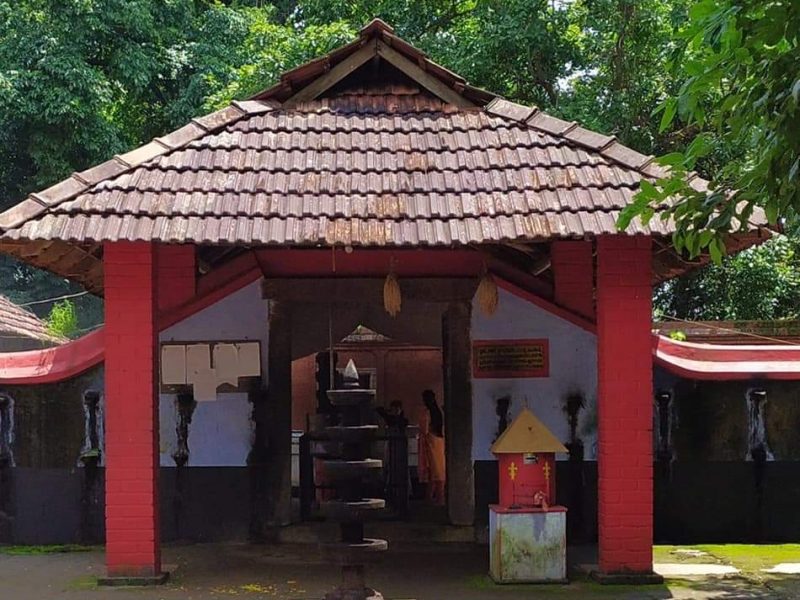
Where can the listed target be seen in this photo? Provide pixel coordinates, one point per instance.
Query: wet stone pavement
(294, 572)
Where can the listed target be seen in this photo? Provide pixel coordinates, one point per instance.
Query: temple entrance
(418, 363)
(408, 380)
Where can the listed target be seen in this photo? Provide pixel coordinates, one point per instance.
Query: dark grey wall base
(205, 504)
(727, 502)
(712, 502)
(67, 506)
(694, 502)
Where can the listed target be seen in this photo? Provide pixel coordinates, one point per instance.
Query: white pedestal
(528, 545)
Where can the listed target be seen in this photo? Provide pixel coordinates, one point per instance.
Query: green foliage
(81, 80)
(623, 76)
(760, 283)
(23, 284)
(38, 550)
(740, 65)
(63, 320)
(520, 49)
(264, 50)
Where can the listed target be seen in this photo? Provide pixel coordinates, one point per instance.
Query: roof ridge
(387, 43)
(79, 182)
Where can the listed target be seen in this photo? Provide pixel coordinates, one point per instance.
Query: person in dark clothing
(397, 476)
(394, 418)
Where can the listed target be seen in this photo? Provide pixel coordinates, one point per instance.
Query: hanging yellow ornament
(487, 295)
(391, 294)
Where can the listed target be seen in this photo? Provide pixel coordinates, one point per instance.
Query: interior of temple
(403, 360)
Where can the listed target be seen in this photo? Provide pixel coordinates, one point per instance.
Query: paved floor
(784, 569)
(431, 572)
(693, 569)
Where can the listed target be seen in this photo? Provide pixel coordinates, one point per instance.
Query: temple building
(244, 257)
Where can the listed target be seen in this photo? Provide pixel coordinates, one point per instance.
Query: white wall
(221, 432)
(573, 368)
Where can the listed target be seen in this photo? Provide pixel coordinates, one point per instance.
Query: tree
(264, 49)
(740, 64)
(63, 320)
(760, 283)
(623, 73)
(80, 81)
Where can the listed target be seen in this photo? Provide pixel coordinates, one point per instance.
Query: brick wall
(625, 420)
(573, 271)
(132, 544)
(176, 275)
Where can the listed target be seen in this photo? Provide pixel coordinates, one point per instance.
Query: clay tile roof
(16, 322)
(372, 144)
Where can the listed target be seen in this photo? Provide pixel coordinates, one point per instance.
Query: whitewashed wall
(221, 432)
(573, 368)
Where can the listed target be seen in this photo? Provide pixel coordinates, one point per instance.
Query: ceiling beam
(432, 84)
(335, 75)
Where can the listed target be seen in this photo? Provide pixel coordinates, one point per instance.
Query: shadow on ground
(294, 572)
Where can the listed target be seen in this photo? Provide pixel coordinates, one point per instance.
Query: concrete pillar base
(134, 581)
(627, 578)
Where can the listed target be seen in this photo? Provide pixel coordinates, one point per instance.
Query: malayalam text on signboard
(510, 358)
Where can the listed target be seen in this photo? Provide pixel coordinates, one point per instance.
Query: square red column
(176, 275)
(131, 413)
(625, 400)
(572, 262)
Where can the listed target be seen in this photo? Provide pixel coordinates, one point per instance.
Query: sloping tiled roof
(324, 176)
(403, 158)
(16, 322)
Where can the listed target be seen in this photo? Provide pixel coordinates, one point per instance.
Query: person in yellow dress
(432, 455)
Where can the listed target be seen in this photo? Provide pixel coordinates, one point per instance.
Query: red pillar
(176, 275)
(573, 273)
(131, 412)
(625, 400)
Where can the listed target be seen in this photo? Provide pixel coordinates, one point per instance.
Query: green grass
(38, 550)
(751, 558)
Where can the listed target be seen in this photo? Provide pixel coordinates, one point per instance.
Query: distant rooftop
(363, 334)
(735, 332)
(18, 325)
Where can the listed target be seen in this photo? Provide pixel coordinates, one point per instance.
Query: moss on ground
(87, 582)
(50, 549)
(748, 558)
(751, 558)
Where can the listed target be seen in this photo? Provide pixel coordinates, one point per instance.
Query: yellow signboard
(499, 359)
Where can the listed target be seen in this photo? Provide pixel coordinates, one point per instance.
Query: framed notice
(500, 359)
